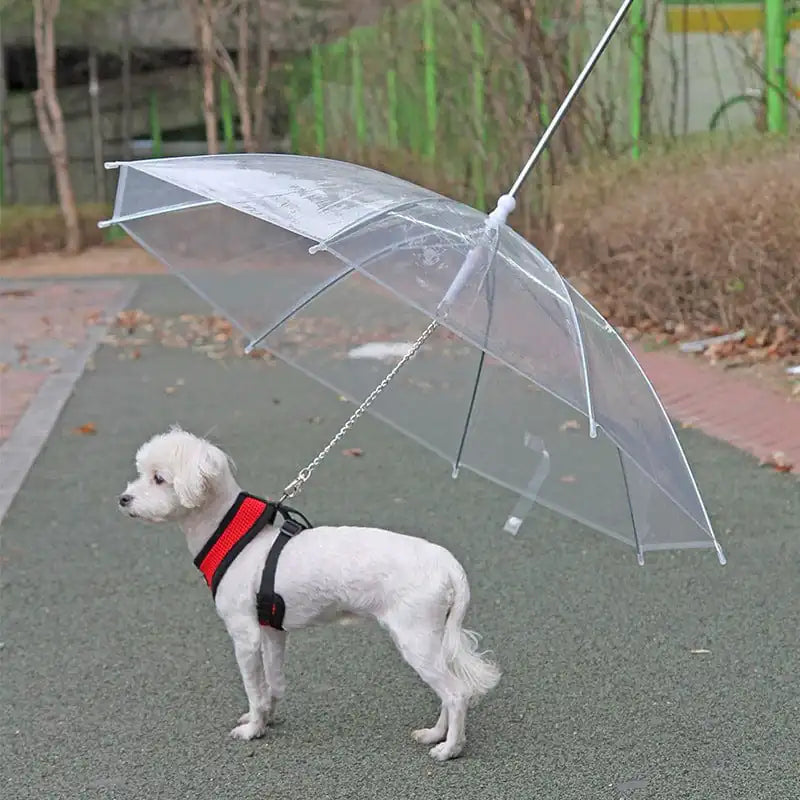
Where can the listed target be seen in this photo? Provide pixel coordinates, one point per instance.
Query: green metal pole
(775, 38)
(429, 44)
(226, 111)
(478, 96)
(294, 124)
(155, 127)
(391, 92)
(636, 75)
(357, 75)
(392, 125)
(319, 99)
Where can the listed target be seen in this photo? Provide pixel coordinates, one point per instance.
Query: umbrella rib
(365, 220)
(584, 363)
(639, 553)
(490, 287)
(299, 307)
(154, 212)
(468, 420)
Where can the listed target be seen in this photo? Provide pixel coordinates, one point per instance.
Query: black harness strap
(245, 519)
(269, 603)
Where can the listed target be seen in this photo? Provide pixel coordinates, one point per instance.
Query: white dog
(414, 588)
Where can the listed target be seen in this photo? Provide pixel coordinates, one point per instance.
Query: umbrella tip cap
(640, 558)
(721, 556)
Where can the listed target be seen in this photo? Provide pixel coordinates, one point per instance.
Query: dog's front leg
(247, 647)
(274, 642)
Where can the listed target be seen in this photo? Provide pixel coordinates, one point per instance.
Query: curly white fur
(414, 588)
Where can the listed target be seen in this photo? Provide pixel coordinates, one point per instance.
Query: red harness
(245, 519)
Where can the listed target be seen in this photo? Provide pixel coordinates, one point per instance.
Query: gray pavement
(118, 680)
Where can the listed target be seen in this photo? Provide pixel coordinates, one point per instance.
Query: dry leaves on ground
(778, 462)
(87, 429)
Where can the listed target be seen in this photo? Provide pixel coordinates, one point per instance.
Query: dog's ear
(200, 470)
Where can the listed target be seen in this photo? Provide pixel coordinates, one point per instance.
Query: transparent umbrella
(495, 362)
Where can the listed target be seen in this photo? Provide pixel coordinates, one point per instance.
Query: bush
(695, 241)
(25, 230)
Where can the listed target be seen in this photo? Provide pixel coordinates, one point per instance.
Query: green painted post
(392, 123)
(391, 96)
(292, 96)
(319, 99)
(636, 75)
(155, 127)
(357, 77)
(478, 96)
(429, 45)
(775, 38)
(226, 111)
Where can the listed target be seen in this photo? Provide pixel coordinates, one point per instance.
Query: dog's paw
(248, 731)
(244, 719)
(445, 751)
(428, 735)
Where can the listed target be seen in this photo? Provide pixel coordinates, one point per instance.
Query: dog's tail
(460, 646)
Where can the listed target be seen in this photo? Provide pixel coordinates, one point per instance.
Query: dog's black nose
(125, 499)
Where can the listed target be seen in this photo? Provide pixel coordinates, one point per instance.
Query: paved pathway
(49, 329)
(676, 680)
(48, 332)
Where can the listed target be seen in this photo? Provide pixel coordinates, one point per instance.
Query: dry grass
(26, 230)
(695, 241)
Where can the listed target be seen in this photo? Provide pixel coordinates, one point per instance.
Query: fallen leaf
(16, 293)
(353, 451)
(570, 425)
(170, 390)
(778, 462)
(568, 479)
(88, 429)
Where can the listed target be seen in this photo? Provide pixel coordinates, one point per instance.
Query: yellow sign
(718, 17)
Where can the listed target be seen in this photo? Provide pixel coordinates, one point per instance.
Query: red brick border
(750, 417)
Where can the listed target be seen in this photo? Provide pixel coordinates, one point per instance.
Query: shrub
(697, 240)
(25, 230)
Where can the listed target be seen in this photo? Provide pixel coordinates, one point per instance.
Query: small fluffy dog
(415, 589)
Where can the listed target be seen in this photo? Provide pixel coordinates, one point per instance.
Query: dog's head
(178, 474)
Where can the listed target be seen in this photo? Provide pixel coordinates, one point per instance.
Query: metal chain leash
(297, 484)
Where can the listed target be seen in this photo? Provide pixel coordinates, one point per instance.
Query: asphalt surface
(118, 680)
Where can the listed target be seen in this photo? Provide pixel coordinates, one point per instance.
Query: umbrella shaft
(576, 87)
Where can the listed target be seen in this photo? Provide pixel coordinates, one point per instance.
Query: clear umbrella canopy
(329, 264)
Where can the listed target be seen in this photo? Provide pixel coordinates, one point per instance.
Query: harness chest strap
(244, 520)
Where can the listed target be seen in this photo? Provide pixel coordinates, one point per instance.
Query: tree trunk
(206, 25)
(260, 89)
(50, 118)
(242, 86)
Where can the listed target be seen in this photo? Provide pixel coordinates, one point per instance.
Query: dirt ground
(125, 259)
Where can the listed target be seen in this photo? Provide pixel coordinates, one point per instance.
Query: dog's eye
(158, 479)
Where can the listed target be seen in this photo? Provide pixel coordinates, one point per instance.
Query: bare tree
(50, 118)
(204, 17)
(247, 15)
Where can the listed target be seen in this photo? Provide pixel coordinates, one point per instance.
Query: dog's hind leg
(435, 734)
(420, 644)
